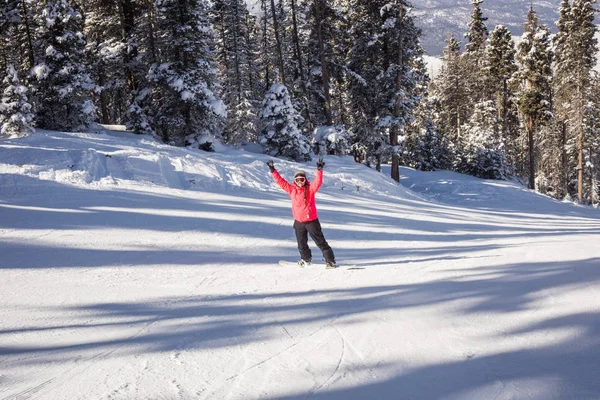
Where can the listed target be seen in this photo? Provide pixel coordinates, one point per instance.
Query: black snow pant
(314, 228)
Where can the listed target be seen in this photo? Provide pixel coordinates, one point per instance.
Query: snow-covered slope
(135, 270)
(120, 159)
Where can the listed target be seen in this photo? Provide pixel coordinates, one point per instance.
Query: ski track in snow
(135, 270)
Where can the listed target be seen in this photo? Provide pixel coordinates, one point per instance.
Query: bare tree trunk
(505, 112)
(298, 52)
(458, 109)
(581, 131)
(236, 39)
(30, 53)
(324, 73)
(278, 42)
(151, 33)
(249, 59)
(531, 152)
(395, 173)
(580, 166)
(564, 167)
(263, 6)
(127, 20)
(592, 199)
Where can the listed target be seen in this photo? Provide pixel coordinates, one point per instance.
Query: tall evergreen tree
(17, 35)
(363, 62)
(481, 151)
(16, 118)
(280, 134)
(279, 50)
(115, 31)
(318, 22)
(298, 73)
(325, 45)
(266, 58)
(450, 92)
(236, 59)
(592, 150)
(9, 18)
(61, 79)
(533, 81)
(382, 64)
(474, 55)
(183, 98)
(576, 50)
(104, 51)
(425, 147)
(500, 67)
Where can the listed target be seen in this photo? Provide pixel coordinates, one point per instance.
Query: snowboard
(294, 264)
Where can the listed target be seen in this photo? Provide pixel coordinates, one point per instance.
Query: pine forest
(303, 78)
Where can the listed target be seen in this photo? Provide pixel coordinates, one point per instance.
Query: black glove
(320, 164)
(271, 166)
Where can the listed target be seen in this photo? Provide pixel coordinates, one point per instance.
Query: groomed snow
(134, 270)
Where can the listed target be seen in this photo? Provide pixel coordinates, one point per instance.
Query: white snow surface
(134, 270)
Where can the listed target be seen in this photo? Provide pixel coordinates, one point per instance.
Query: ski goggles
(300, 180)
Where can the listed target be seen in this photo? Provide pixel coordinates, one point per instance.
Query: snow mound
(109, 158)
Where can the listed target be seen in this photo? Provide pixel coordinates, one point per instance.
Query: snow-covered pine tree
(381, 66)
(533, 86)
(285, 25)
(562, 89)
(280, 135)
(363, 66)
(480, 152)
(328, 139)
(113, 46)
(575, 50)
(16, 60)
(266, 57)
(551, 158)
(236, 58)
(324, 46)
(104, 50)
(60, 78)
(17, 35)
(426, 148)
(592, 134)
(297, 62)
(184, 106)
(16, 118)
(474, 55)
(143, 52)
(449, 90)
(500, 66)
(278, 51)
(404, 78)
(320, 41)
(9, 18)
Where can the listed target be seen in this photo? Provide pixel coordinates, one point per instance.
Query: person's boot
(304, 263)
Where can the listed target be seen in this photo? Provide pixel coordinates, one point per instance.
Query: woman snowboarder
(304, 210)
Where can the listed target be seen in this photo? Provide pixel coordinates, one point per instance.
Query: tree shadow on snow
(202, 323)
(57, 207)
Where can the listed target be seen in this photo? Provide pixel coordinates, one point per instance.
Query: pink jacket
(304, 208)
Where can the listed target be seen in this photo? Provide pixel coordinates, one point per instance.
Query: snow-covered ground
(134, 270)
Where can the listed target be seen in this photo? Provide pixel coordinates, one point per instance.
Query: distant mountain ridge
(439, 18)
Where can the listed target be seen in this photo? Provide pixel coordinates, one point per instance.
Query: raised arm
(316, 184)
(285, 185)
